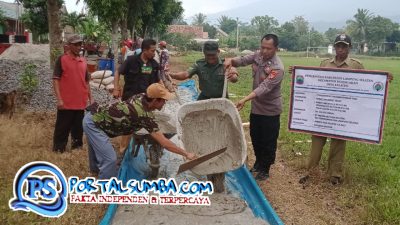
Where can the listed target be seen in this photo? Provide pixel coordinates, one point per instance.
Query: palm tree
(90, 29)
(199, 19)
(223, 19)
(227, 24)
(358, 28)
(93, 30)
(72, 19)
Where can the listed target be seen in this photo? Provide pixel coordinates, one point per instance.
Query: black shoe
(261, 176)
(76, 144)
(304, 179)
(254, 170)
(59, 150)
(335, 180)
(76, 147)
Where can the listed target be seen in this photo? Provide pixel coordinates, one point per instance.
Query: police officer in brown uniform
(266, 101)
(337, 148)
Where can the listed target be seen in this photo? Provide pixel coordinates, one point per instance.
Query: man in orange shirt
(71, 87)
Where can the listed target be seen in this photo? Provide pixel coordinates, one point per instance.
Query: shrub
(28, 79)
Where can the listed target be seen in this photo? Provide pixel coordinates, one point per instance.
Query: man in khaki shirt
(337, 148)
(336, 155)
(342, 59)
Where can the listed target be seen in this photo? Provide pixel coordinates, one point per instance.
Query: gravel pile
(43, 98)
(20, 52)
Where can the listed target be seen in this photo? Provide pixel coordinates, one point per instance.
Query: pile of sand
(31, 52)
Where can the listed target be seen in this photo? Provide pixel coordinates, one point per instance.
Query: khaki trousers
(335, 158)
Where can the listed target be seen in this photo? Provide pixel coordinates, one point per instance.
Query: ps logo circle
(45, 195)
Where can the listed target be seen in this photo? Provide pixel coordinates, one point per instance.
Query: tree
(227, 24)
(179, 21)
(93, 30)
(264, 24)
(181, 41)
(72, 19)
(162, 14)
(2, 19)
(358, 27)
(212, 31)
(379, 29)
(316, 38)
(288, 38)
(109, 12)
(246, 29)
(331, 33)
(199, 19)
(137, 8)
(35, 18)
(301, 25)
(395, 36)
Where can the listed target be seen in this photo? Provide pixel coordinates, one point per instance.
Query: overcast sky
(191, 6)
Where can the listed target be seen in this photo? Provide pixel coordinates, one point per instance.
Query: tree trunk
(144, 32)
(133, 32)
(124, 28)
(35, 38)
(55, 32)
(114, 41)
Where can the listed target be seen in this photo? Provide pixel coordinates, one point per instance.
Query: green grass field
(372, 172)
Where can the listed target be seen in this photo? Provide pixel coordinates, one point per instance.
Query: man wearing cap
(266, 102)
(210, 71)
(124, 118)
(71, 87)
(342, 47)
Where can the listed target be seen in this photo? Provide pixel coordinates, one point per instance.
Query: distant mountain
(322, 26)
(320, 14)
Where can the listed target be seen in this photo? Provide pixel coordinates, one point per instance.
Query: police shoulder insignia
(272, 74)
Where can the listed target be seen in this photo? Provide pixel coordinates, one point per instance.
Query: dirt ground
(316, 202)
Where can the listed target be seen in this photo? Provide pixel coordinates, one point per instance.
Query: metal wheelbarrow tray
(208, 125)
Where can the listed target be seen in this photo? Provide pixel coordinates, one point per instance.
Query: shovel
(175, 90)
(225, 83)
(189, 165)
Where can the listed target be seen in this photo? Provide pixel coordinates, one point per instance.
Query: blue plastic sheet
(239, 181)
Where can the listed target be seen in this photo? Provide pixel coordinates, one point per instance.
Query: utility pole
(237, 33)
(309, 42)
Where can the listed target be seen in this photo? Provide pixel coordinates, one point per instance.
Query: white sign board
(340, 103)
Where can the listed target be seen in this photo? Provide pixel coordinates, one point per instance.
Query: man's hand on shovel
(198, 160)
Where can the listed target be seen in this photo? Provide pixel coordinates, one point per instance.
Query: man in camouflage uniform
(210, 71)
(123, 118)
